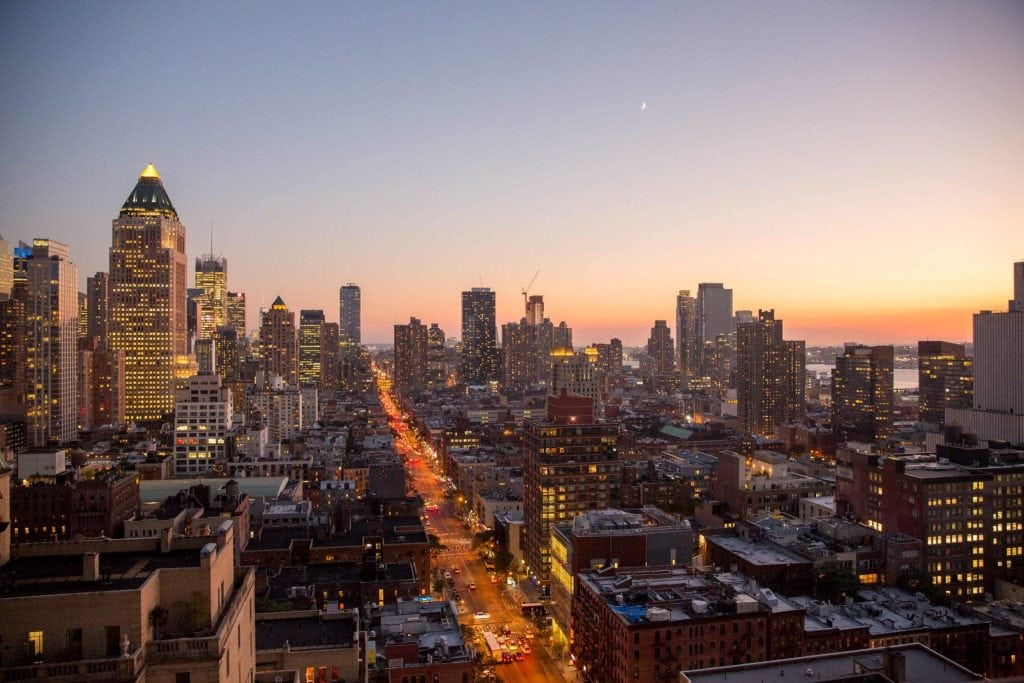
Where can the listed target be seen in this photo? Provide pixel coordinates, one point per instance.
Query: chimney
(896, 666)
(91, 567)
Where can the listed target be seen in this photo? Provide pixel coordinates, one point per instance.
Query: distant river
(903, 378)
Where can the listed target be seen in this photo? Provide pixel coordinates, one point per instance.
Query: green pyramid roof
(149, 196)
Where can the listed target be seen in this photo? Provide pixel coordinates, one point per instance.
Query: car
(482, 615)
(519, 656)
(456, 570)
(447, 575)
(494, 578)
(457, 595)
(472, 586)
(526, 648)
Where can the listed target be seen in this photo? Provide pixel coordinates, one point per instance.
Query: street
(487, 606)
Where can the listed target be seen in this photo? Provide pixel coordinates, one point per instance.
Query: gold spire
(149, 172)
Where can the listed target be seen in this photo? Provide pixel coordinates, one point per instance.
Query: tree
(916, 581)
(481, 538)
(834, 582)
(503, 559)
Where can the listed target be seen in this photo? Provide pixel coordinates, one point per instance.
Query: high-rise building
(535, 309)
(687, 335)
(278, 343)
(202, 419)
(570, 466)
(714, 315)
(83, 316)
(100, 393)
(862, 393)
(330, 359)
(479, 336)
(12, 355)
(519, 354)
(609, 365)
(999, 354)
(227, 360)
(51, 344)
(998, 412)
(545, 344)
(769, 376)
(98, 322)
(350, 317)
(944, 378)
(661, 349)
(212, 278)
(193, 315)
(236, 312)
(310, 346)
(575, 372)
(410, 357)
(437, 364)
(561, 336)
(148, 279)
(6, 270)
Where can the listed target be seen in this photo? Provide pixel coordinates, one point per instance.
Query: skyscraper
(570, 466)
(202, 418)
(687, 335)
(862, 393)
(212, 278)
(769, 375)
(479, 336)
(310, 346)
(51, 344)
(561, 336)
(575, 373)
(519, 354)
(999, 353)
(660, 348)
(944, 379)
(6, 270)
(12, 354)
(410, 357)
(714, 315)
(98, 293)
(535, 309)
(236, 312)
(148, 278)
(330, 360)
(278, 343)
(350, 317)
(609, 364)
(437, 365)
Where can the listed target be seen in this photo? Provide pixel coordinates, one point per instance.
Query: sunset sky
(858, 167)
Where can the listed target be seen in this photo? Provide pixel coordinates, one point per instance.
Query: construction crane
(526, 289)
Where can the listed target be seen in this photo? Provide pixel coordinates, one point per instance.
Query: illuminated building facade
(535, 309)
(51, 344)
(98, 308)
(278, 343)
(570, 466)
(688, 340)
(575, 372)
(12, 355)
(862, 393)
(770, 376)
(479, 336)
(202, 419)
(311, 324)
(148, 279)
(330, 356)
(350, 317)
(212, 278)
(519, 354)
(236, 311)
(437, 363)
(945, 379)
(6, 270)
(410, 357)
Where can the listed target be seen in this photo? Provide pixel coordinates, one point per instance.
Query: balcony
(114, 669)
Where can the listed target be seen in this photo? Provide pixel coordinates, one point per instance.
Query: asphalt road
(465, 565)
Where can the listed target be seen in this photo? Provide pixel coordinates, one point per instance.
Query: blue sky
(834, 161)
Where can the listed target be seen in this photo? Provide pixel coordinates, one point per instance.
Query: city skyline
(859, 178)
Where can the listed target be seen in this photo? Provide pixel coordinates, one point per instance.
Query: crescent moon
(643, 105)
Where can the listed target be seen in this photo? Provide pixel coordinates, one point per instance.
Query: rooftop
(922, 664)
(310, 631)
